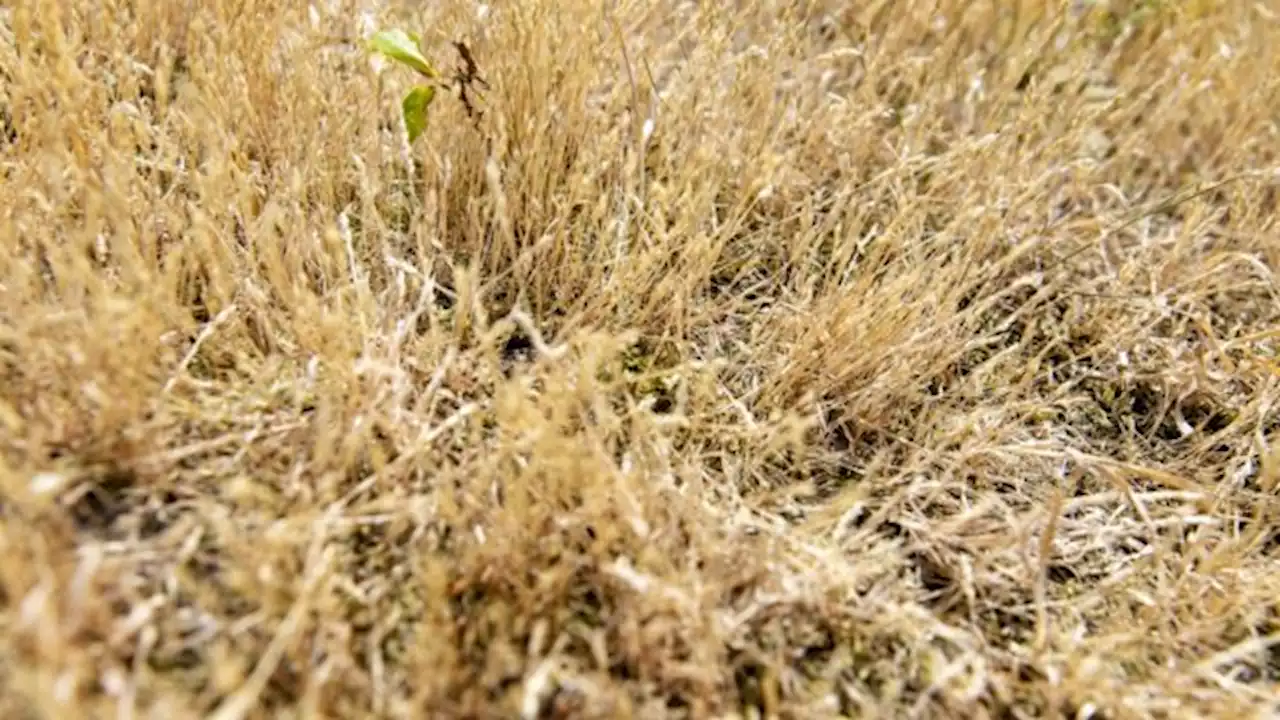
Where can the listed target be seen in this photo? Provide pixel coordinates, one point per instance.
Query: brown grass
(918, 360)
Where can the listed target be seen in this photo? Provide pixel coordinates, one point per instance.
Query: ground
(777, 359)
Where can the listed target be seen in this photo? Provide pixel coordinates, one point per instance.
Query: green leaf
(415, 105)
(400, 46)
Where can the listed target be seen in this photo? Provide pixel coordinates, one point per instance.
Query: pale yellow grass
(769, 359)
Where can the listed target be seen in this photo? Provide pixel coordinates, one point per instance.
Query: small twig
(205, 333)
(526, 324)
(1046, 552)
(467, 78)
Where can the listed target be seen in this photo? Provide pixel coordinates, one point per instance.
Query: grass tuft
(740, 360)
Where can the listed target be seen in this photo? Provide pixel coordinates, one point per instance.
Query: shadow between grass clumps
(111, 503)
(501, 615)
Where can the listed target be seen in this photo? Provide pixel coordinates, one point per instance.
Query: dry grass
(794, 359)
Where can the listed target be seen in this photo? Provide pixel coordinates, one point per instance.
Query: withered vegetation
(766, 359)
